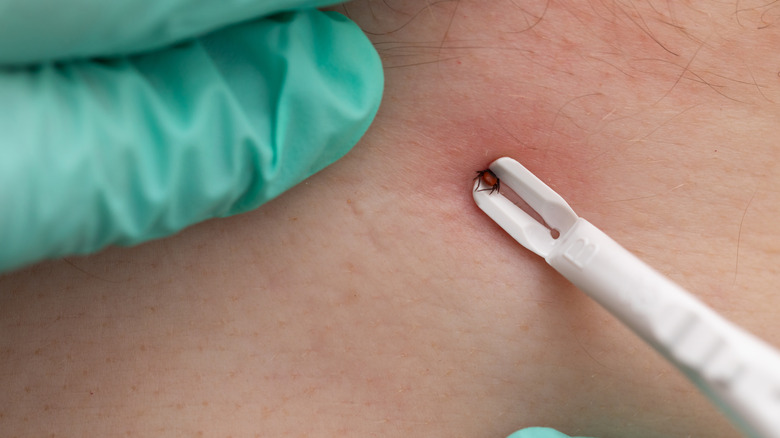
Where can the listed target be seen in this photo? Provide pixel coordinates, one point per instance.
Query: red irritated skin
(375, 299)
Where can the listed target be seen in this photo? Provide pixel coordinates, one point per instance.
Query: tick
(488, 178)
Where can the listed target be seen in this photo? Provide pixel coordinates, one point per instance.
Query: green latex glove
(139, 144)
(539, 432)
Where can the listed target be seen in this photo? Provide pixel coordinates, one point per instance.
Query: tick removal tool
(737, 371)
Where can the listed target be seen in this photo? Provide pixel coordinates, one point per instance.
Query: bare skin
(376, 300)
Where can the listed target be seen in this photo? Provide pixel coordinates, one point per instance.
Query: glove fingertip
(539, 432)
(309, 83)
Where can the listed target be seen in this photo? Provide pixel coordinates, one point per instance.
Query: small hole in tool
(555, 233)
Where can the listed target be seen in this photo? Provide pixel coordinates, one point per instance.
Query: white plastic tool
(737, 371)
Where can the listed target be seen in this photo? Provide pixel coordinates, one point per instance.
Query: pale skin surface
(377, 300)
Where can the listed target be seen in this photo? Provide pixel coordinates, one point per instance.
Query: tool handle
(739, 372)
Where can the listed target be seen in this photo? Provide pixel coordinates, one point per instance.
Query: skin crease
(376, 300)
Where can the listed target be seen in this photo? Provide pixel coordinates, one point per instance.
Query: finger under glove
(539, 432)
(120, 151)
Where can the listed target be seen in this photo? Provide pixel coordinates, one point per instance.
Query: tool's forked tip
(529, 232)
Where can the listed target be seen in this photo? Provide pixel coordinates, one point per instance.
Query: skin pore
(376, 300)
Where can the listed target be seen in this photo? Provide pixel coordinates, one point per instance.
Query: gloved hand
(110, 135)
(539, 432)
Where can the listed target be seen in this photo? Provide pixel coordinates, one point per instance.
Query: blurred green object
(539, 432)
(32, 31)
(123, 149)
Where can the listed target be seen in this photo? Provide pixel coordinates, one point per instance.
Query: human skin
(376, 300)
